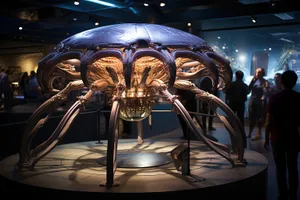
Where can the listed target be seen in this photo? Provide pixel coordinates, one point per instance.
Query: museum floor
(176, 133)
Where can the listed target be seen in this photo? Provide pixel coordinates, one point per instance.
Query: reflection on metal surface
(139, 160)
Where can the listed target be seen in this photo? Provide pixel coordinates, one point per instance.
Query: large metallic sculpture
(132, 64)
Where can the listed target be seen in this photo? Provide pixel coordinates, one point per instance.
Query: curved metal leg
(112, 145)
(43, 149)
(140, 132)
(219, 148)
(231, 121)
(35, 122)
(60, 131)
(33, 125)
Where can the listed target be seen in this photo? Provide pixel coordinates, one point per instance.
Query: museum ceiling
(51, 21)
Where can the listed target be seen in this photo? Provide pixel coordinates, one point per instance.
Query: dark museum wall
(22, 56)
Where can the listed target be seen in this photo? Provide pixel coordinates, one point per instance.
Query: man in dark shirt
(282, 128)
(188, 99)
(236, 95)
(276, 87)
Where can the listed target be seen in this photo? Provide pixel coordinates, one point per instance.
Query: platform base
(75, 168)
(116, 184)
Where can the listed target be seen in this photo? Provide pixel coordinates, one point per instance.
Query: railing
(105, 111)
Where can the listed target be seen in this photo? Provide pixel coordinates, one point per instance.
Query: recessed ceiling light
(145, 4)
(96, 23)
(189, 24)
(76, 3)
(162, 4)
(20, 28)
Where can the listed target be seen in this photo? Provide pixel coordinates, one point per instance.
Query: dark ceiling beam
(22, 5)
(253, 26)
(124, 12)
(195, 5)
(20, 47)
(230, 11)
(12, 7)
(120, 14)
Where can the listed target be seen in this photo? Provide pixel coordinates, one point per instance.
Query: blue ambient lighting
(133, 10)
(103, 3)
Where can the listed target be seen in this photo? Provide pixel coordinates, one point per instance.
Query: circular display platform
(75, 167)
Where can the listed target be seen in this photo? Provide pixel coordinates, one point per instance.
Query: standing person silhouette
(5, 89)
(33, 85)
(282, 128)
(286, 67)
(258, 87)
(206, 85)
(236, 95)
(188, 99)
(24, 85)
(277, 86)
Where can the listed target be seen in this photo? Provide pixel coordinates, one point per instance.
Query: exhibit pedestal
(75, 167)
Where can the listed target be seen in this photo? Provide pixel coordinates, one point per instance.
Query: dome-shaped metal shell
(130, 33)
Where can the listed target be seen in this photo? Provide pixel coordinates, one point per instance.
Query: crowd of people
(28, 87)
(273, 107)
(276, 108)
